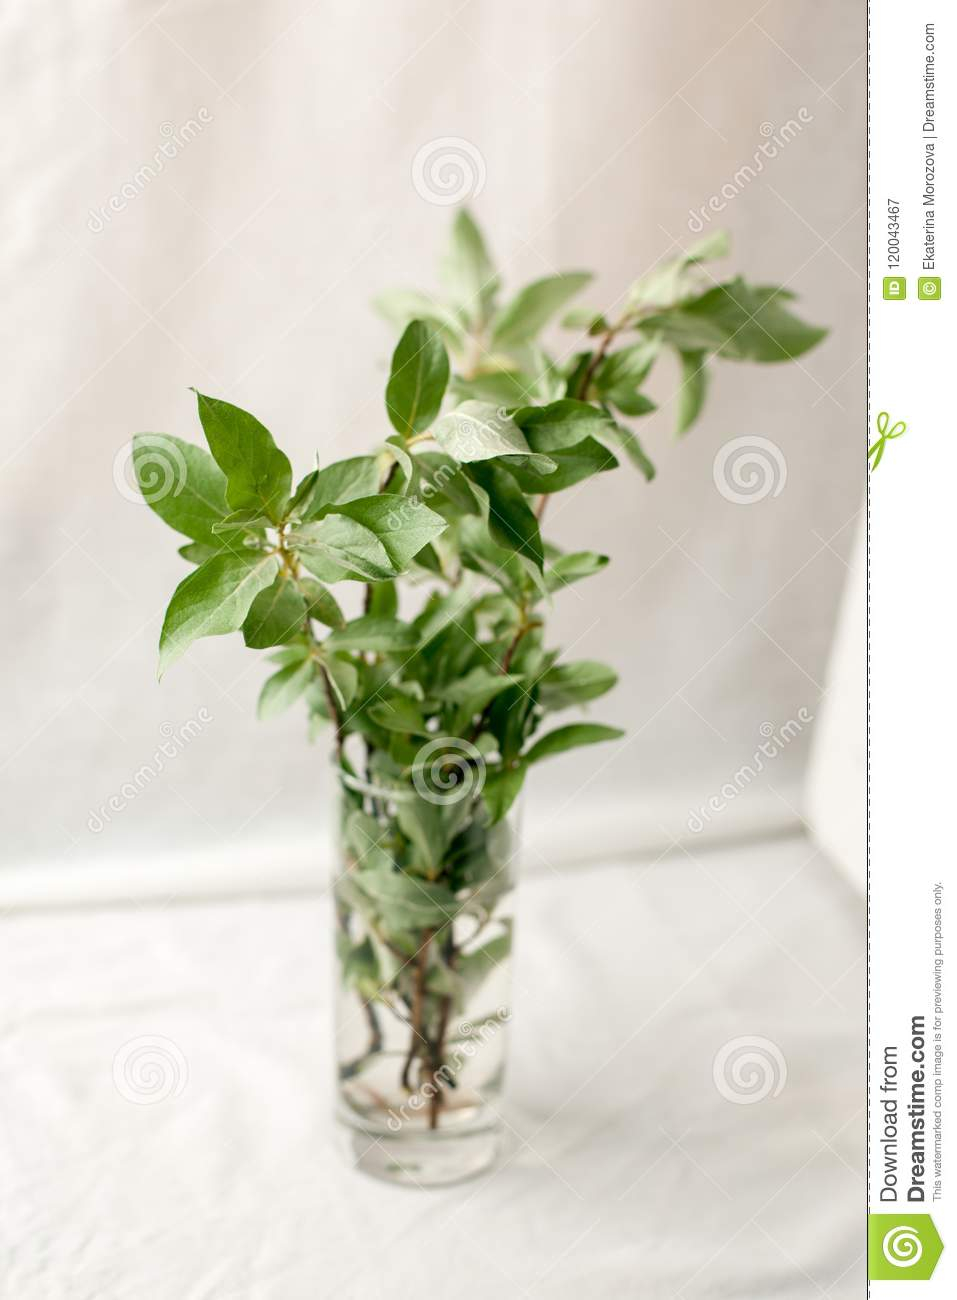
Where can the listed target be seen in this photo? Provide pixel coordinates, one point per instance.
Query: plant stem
(418, 1008)
(524, 626)
(438, 1044)
(510, 652)
(351, 1068)
(290, 564)
(581, 393)
(367, 600)
(334, 715)
(598, 357)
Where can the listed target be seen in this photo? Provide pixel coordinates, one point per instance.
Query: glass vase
(423, 932)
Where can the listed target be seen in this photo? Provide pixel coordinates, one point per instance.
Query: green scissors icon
(887, 431)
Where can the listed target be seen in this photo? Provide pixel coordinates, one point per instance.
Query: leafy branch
(486, 426)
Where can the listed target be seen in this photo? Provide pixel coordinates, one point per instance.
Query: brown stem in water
(418, 1038)
(350, 1068)
(438, 1049)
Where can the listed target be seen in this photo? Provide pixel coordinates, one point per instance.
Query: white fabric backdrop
(246, 267)
(167, 1132)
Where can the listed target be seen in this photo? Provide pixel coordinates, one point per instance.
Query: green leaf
(442, 611)
(574, 683)
(534, 306)
(466, 270)
(570, 568)
(477, 431)
(213, 600)
(369, 632)
(475, 967)
(364, 837)
(499, 387)
(398, 713)
(477, 688)
(359, 967)
(382, 599)
(694, 386)
(405, 901)
(571, 466)
(246, 520)
(675, 280)
(397, 464)
(627, 368)
(337, 547)
(510, 521)
(402, 525)
(294, 653)
(570, 737)
(420, 373)
(534, 461)
(399, 306)
(197, 552)
(343, 679)
(443, 483)
(303, 493)
(750, 323)
(283, 688)
(321, 604)
(617, 438)
(511, 716)
(258, 475)
(341, 482)
(687, 331)
(585, 318)
(502, 788)
(181, 483)
(423, 824)
(275, 616)
(710, 248)
(484, 555)
(560, 424)
(630, 403)
(547, 377)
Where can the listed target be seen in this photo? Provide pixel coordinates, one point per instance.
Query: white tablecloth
(631, 1173)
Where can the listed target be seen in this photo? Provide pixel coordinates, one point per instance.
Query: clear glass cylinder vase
(423, 935)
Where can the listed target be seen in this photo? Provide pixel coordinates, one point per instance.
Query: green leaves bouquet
(438, 688)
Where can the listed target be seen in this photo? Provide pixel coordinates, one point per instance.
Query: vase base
(420, 1159)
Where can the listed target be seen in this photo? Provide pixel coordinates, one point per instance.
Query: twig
(418, 1004)
(438, 1046)
(334, 715)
